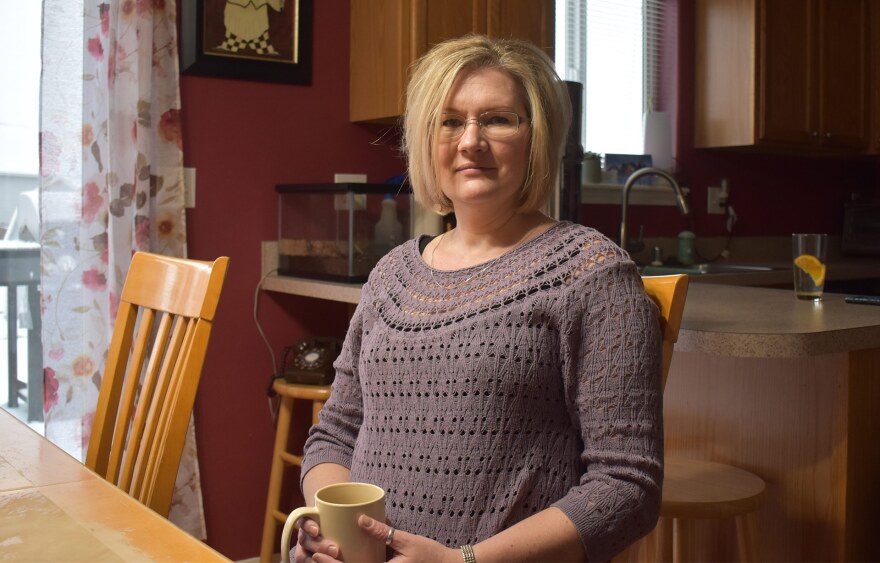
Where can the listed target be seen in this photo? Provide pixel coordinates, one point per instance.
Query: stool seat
(318, 395)
(698, 490)
(705, 489)
(301, 391)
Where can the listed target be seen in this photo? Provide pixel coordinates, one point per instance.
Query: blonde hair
(545, 96)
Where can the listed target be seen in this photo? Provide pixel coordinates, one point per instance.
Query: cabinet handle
(814, 134)
(827, 135)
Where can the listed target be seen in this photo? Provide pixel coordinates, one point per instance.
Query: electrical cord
(731, 221)
(273, 408)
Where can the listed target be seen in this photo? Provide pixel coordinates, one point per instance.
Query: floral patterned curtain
(111, 184)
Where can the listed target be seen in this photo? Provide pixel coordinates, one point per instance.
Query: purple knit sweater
(479, 397)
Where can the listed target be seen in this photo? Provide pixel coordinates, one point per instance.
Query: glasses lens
(497, 124)
(452, 125)
(493, 124)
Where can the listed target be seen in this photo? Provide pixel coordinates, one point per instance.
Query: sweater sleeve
(612, 375)
(332, 439)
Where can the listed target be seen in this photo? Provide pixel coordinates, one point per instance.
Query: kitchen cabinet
(782, 74)
(387, 36)
(874, 63)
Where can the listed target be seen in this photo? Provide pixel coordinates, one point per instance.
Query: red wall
(245, 137)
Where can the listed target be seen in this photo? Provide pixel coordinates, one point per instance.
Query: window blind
(613, 48)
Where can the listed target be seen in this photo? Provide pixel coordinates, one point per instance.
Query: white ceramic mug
(337, 508)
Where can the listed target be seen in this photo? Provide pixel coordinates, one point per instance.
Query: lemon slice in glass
(812, 266)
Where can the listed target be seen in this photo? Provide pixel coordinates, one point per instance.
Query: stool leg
(316, 408)
(660, 548)
(658, 544)
(684, 540)
(747, 536)
(270, 525)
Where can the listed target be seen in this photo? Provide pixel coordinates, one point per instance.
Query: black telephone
(310, 361)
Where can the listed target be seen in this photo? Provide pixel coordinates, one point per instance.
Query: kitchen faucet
(679, 198)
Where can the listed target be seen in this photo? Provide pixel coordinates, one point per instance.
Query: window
(19, 102)
(612, 47)
(20, 32)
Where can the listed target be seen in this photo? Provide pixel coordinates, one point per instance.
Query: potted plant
(592, 168)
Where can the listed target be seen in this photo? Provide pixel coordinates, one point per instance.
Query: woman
(500, 381)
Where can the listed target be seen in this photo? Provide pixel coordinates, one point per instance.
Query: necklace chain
(529, 235)
(461, 283)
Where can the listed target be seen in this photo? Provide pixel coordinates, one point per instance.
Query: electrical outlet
(715, 204)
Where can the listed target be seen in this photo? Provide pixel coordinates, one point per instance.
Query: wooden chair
(154, 363)
(695, 489)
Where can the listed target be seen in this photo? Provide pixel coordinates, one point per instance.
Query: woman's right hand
(309, 542)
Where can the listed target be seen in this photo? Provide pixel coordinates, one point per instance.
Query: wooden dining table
(52, 508)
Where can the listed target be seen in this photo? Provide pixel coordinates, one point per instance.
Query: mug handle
(290, 524)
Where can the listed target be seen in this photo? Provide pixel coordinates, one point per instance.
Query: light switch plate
(189, 187)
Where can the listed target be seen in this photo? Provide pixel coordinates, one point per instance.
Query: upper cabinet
(387, 36)
(782, 74)
(874, 63)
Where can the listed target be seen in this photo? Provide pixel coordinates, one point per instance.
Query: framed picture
(620, 166)
(265, 40)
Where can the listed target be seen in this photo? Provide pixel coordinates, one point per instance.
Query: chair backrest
(669, 293)
(153, 368)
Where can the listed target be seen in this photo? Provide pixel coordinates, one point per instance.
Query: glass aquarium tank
(338, 232)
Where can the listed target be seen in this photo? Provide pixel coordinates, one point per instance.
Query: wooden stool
(281, 457)
(694, 490)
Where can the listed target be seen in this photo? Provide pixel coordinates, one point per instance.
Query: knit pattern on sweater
(481, 396)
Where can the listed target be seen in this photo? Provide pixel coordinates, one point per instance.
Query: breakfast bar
(789, 390)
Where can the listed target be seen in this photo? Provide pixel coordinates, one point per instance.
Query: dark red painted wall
(245, 137)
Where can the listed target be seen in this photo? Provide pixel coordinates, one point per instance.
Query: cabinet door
(533, 20)
(445, 19)
(787, 81)
(388, 35)
(725, 73)
(874, 66)
(382, 47)
(843, 69)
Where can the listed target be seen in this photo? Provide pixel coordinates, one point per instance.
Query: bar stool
(318, 395)
(698, 490)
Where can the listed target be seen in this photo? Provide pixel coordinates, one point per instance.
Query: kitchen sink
(698, 269)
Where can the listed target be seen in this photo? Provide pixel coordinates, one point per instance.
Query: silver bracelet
(467, 553)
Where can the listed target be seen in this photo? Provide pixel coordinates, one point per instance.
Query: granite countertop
(780, 274)
(738, 321)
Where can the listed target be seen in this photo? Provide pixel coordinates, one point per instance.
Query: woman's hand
(309, 542)
(409, 547)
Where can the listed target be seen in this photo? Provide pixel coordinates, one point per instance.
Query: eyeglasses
(493, 124)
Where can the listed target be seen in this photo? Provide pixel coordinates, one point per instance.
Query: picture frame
(261, 40)
(619, 167)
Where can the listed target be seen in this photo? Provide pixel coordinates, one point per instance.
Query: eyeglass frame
(478, 120)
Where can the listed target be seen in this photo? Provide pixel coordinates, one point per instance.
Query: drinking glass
(809, 251)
